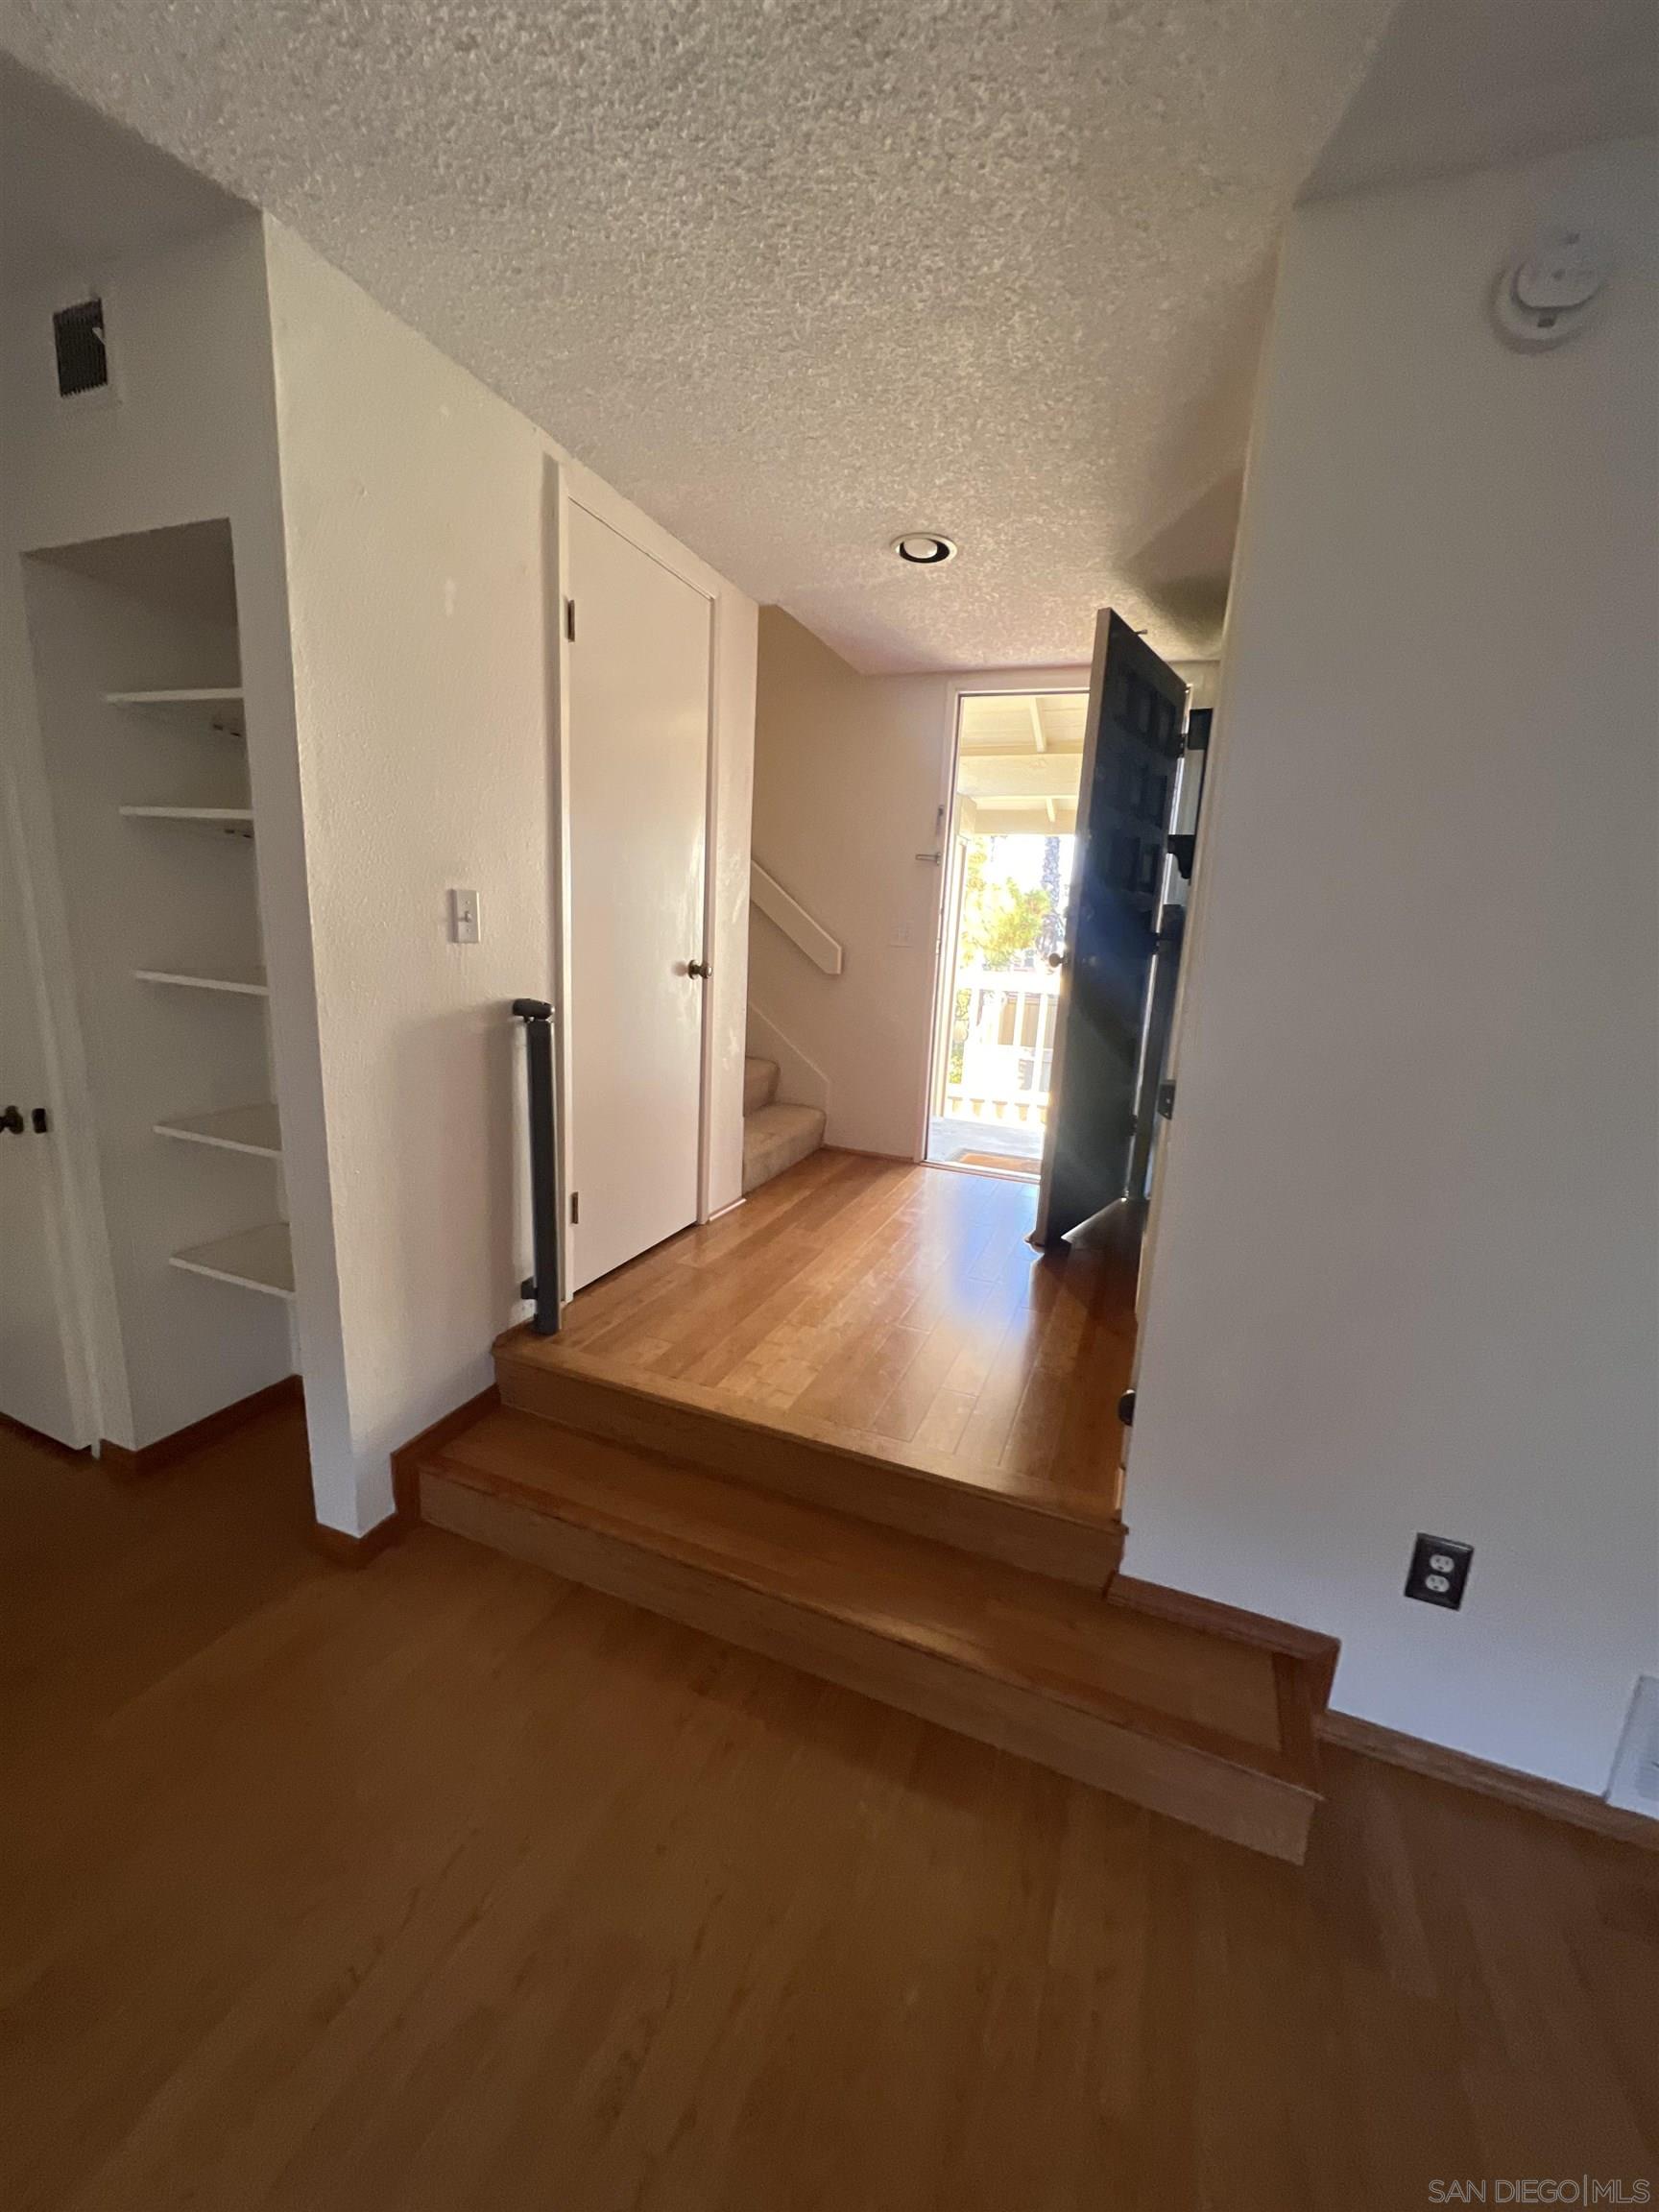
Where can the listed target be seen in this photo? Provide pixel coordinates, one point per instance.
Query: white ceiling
(797, 275)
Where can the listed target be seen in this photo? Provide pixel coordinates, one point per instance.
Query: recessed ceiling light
(924, 549)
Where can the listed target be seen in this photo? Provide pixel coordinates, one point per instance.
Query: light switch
(463, 917)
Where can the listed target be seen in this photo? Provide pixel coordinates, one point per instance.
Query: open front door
(1131, 749)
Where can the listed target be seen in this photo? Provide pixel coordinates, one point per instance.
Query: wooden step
(984, 1510)
(1207, 1727)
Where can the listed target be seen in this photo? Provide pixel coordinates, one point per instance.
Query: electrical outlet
(1439, 1571)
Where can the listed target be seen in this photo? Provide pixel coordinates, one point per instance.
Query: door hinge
(37, 1115)
(1166, 1100)
(570, 620)
(575, 1208)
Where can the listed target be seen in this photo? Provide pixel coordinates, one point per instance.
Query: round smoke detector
(924, 549)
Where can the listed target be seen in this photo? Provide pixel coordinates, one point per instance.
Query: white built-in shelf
(247, 982)
(238, 820)
(257, 1258)
(219, 707)
(234, 1129)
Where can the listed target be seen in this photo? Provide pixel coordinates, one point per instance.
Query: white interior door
(34, 1386)
(638, 767)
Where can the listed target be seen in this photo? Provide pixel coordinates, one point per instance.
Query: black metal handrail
(543, 1286)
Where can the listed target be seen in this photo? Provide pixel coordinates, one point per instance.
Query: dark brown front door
(1132, 748)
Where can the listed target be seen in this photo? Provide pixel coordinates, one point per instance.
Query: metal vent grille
(78, 337)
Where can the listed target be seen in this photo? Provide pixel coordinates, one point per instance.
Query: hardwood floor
(899, 1306)
(449, 1885)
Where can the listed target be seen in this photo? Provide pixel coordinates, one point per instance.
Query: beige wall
(850, 774)
(848, 771)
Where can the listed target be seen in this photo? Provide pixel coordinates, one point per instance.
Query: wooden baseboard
(126, 1465)
(1530, 1792)
(1318, 1652)
(348, 1550)
(406, 1460)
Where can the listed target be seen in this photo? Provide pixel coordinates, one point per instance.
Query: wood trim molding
(123, 1464)
(406, 1460)
(349, 1551)
(1319, 1652)
(1530, 1792)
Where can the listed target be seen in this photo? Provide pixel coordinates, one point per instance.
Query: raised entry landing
(899, 1311)
(731, 1432)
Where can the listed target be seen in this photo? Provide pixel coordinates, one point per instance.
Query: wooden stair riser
(1259, 1811)
(939, 1507)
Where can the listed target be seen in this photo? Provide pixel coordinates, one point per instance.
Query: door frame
(732, 619)
(988, 683)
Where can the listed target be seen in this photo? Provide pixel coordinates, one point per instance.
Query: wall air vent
(83, 358)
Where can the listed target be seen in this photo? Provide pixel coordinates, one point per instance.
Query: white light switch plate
(463, 917)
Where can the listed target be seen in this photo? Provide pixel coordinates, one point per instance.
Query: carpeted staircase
(776, 1135)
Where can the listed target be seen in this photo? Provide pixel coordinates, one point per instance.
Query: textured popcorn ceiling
(797, 274)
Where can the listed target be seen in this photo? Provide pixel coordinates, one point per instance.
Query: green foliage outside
(1001, 923)
(1004, 928)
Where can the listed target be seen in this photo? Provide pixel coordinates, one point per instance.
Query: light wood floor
(449, 1886)
(898, 1305)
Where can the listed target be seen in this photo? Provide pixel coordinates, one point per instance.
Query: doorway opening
(1009, 853)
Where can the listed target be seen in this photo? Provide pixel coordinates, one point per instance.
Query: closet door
(34, 1293)
(638, 745)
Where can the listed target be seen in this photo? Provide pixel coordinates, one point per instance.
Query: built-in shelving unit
(256, 1258)
(234, 1129)
(249, 983)
(136, 646)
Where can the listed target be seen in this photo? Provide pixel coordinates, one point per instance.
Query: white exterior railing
(1007, 1045)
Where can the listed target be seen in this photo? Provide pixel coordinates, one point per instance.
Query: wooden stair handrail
(792, 918)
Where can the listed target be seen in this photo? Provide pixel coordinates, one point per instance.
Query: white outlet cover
(1635, 1782)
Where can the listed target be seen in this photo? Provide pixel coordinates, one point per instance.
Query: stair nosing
(1107, 1709)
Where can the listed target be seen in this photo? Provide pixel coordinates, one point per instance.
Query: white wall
(1405, 1271)
(193, 438)
(398, 744)
(413, 505)
(423, 518)
(849, 773)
